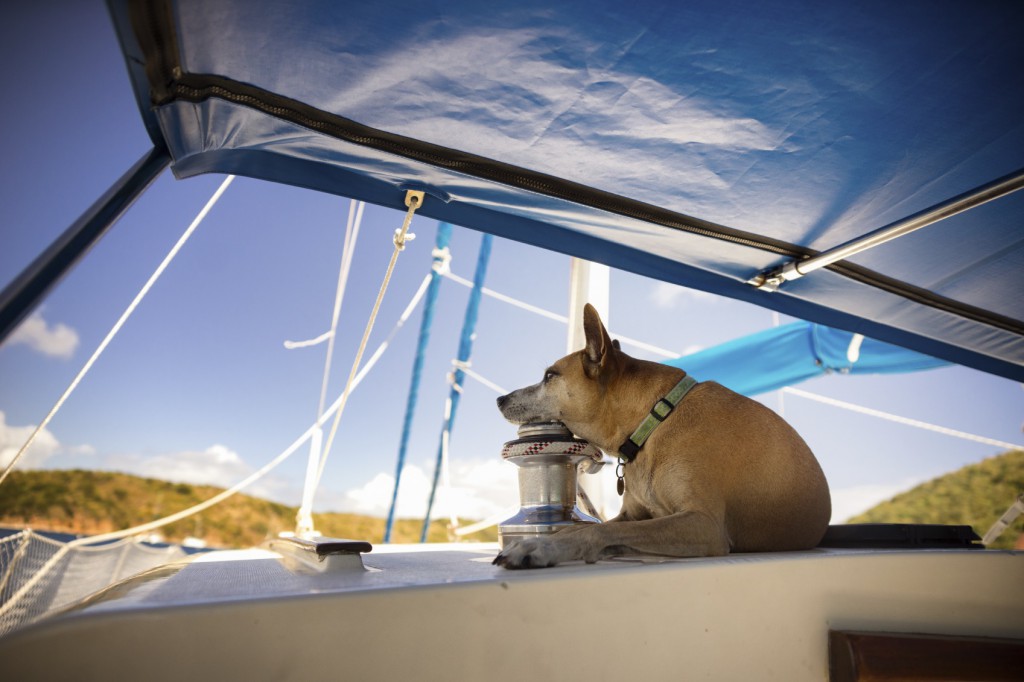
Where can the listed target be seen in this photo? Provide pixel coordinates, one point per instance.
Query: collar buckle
(628, 450)
(662, 409)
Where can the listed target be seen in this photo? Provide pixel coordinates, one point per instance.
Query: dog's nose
(502, 399)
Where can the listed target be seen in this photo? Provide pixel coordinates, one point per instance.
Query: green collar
(629, 449)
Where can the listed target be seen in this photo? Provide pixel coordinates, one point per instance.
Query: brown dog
(721, 473)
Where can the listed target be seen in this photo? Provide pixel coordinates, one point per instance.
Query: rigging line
(828, 401)
(558, 318)
(292, 345)
(402, 319)
(120, 323)
(470, 373)
(287, 452)
(290, 450)
(219, 497)
(446, 479)
(145, 527)
(441, 256)
(650, 348)
(413, 199)
(304, 519)
(355, 219)
(508, 299)
(901, 420)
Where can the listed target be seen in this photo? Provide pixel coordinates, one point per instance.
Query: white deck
(444, 612)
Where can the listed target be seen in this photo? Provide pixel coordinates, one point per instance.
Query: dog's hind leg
(686, 534)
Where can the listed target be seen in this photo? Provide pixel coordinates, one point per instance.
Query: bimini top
(712, 143)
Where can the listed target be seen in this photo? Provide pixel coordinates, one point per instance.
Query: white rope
(219, 497)
(336, 407)
(120, 323)
(446, 483)
(901, 420)
(355, 219)
(413, 200)
(828, 401)
(558, 318)
(304, 518)
(508, 299)
(292, 345)
(152, 525)
(644, 346)
(403, 318)
(464, 366)
(287, 452)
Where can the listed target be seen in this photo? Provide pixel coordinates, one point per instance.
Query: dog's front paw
(531, 553)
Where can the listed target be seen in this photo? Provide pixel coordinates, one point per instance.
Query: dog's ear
(599, 344)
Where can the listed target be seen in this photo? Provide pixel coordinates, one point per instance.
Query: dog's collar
(631, 447)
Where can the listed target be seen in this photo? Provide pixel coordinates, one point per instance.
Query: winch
(548, 457)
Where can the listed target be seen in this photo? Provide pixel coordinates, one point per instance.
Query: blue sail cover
(791, 353)
(700, 142)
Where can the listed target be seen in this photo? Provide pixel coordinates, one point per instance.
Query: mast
(588, 283)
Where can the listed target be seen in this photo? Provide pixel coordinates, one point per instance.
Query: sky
(199, 386)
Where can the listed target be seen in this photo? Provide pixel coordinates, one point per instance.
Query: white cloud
(216, 465)
(848, 502)
(12, 438)
(479, 489)
(666, 295)
(58, 340)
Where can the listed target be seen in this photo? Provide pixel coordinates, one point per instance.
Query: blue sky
(199, 387)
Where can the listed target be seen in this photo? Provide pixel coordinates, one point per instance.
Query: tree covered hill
(976, 495)
(92, 502)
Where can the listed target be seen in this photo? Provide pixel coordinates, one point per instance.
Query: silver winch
(547, 455)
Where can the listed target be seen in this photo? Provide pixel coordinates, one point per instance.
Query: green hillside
(976, 495)
(91, 502)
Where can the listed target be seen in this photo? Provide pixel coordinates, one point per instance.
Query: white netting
(39, 575)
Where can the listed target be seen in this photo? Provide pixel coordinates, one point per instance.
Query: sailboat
(854, 166)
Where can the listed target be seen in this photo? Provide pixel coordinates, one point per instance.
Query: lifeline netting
(39, 575)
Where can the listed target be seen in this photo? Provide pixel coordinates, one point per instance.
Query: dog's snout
(502, 399)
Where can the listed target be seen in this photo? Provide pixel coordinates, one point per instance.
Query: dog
(721, 473)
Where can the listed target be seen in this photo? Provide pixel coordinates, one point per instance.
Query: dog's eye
(549, 375)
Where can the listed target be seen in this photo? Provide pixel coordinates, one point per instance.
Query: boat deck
(444, 612)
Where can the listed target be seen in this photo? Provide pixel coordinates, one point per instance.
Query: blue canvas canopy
(791, 353)
(717, 144)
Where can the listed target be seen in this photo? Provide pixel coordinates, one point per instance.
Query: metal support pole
(28, 289)
(588, 283)
(771, 280)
